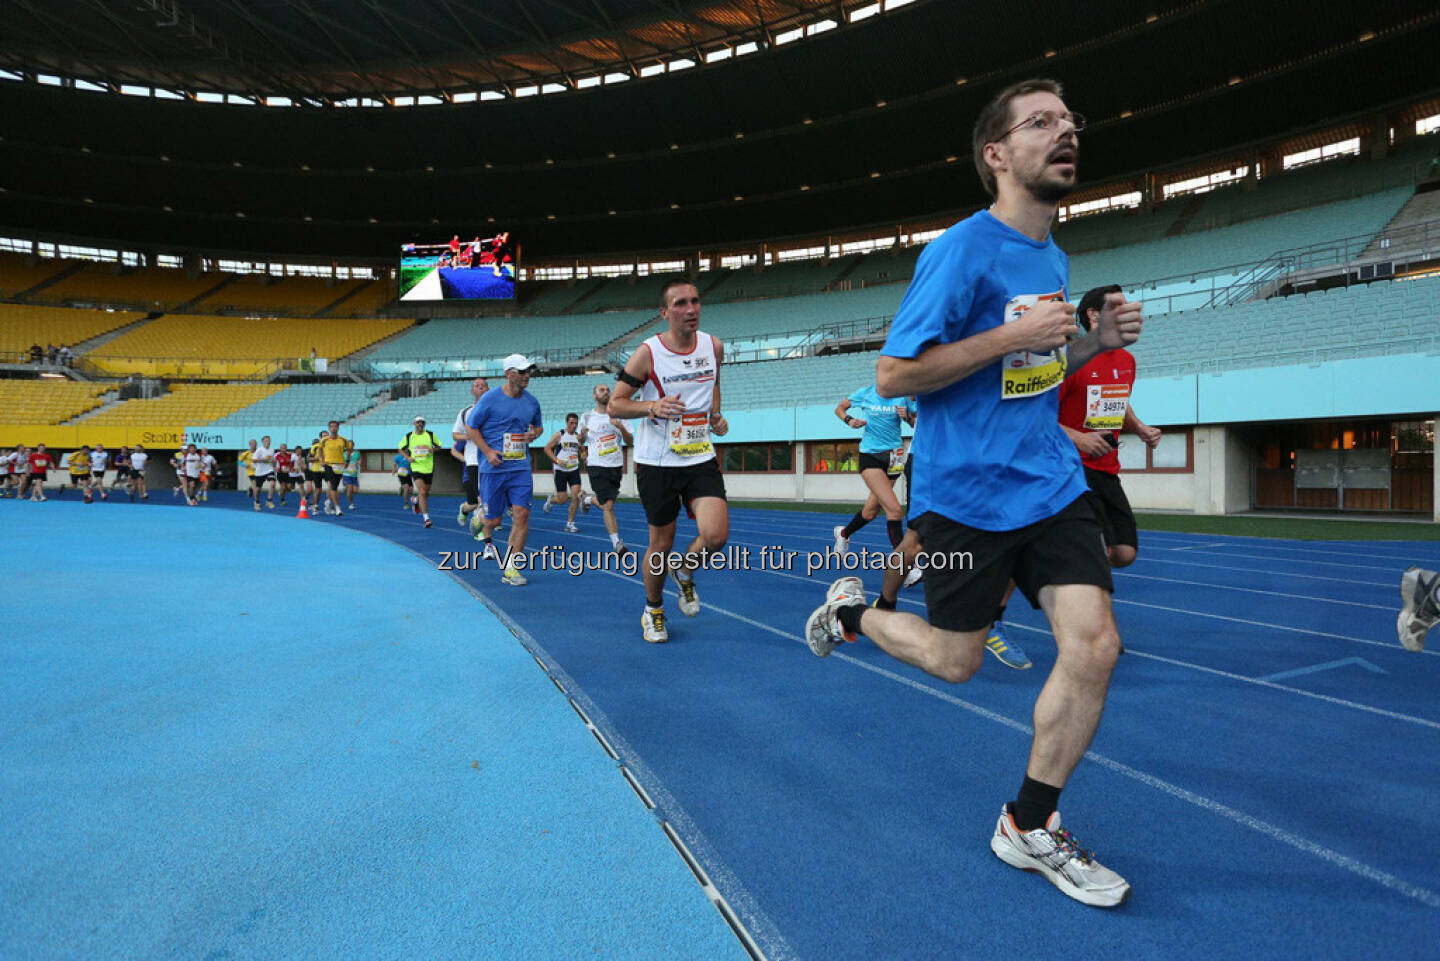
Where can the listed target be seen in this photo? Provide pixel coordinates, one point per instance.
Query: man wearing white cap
(420, 445)
(501, 425)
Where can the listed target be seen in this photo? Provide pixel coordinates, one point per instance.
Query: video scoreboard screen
(481, 268)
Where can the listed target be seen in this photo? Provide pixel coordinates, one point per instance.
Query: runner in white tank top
(563, 449)
(677, 377)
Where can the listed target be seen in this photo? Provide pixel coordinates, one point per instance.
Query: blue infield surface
(1265, 775)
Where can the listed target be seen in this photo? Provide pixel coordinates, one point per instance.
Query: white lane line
(1256, 590)
(1261, 682)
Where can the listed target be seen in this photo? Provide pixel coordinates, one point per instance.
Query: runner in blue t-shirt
(501, 425)
(982, 338)
(882, 459)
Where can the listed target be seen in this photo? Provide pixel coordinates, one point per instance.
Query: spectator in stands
(52, 354)
(37, 354)
(67, 356)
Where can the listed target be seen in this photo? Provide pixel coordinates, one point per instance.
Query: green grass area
(1239, 525)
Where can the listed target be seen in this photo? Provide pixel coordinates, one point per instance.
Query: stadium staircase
(109, 399)
(599, 354)
(348, 295)
(105, 338)
(209, 291)
(69, 271)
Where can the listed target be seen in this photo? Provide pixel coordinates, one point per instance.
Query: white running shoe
(842, 543)
(585, 501)
(513, 577)
(823, 631)
(1055, 854)
(1419, 609)
(549, 503)
(689, 600)
(257, 505)
(489, 554)
(913, 578)
(653, 624)
(460, 517)
(571, 529)
(476, 522)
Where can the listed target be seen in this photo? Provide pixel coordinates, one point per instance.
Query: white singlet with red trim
(684, 440)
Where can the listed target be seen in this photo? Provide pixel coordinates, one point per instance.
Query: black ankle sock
(884, 605)
(856, 522)
(896, 530)
(654, 605)
(1034, 804)
(850, 617)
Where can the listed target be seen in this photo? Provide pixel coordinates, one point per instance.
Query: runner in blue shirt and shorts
(983, 338)
(501, 426)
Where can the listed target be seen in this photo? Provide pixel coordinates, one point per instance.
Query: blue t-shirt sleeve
(858, 398)
(937, 300)
(535, 417)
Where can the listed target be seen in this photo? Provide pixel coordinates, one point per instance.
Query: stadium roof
(332, 49)
(860, 125)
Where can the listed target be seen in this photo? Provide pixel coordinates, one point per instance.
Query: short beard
(1050, 192)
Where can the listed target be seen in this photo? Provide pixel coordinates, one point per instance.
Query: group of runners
(24, 471)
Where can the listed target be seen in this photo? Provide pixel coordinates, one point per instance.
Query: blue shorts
(349, 481)
(502, 489)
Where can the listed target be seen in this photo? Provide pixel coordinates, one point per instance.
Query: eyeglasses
(1045, 122)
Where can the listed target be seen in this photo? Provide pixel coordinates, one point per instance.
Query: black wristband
(625, 377)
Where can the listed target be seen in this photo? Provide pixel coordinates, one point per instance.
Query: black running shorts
(566, 479)
(664, 489)
(1117, 520)
(605, 482)
(470, 481)
(968, 569)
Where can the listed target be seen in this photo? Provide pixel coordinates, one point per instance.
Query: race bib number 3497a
(1105, 406)
(1025, 373)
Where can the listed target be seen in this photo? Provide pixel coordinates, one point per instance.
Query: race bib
(1025, 373)
(568, 460)
(515, 446)
(608, 443)
(404, 472)
(897, 461)
(1105, 406)
(690, 435)
(420, 451)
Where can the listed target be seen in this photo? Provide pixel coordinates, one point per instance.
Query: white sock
(614, 540)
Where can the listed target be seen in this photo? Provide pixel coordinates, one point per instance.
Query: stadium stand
(18, 273)
(1217, 254)
(455, 346)
(185, 405)
(277, 296)
(1364, 321)
(306, 404)
(22, 325)
(181, 345)
(147, 288)
(48, 401)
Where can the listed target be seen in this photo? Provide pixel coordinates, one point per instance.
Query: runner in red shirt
(40, 462)
(1094, 409)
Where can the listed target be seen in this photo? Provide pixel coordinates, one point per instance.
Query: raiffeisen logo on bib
(1025, 373)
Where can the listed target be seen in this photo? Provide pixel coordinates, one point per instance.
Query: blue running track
(1266, 774)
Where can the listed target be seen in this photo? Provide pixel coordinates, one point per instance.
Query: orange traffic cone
(304, 514)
